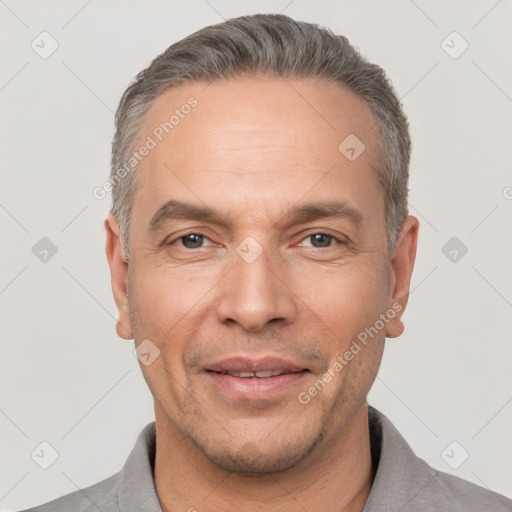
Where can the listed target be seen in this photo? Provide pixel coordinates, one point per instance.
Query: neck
(336, 477)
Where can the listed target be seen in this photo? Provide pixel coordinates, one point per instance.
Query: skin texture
(252, 150)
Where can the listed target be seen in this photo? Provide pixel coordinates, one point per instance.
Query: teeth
(267, 374)
(260, 375)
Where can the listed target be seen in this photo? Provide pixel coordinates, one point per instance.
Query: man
(260, 253)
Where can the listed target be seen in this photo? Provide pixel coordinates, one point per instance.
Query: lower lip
(255, 388)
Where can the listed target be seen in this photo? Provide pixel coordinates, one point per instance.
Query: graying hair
(270, 44)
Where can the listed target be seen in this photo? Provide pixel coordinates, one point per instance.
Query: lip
(254, 388)
(252, 364)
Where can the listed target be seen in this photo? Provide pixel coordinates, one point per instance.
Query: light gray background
(69, 380)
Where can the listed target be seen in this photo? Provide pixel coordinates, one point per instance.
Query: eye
(318, 240)
(192, 241)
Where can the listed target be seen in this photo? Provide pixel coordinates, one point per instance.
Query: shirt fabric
(403, 482)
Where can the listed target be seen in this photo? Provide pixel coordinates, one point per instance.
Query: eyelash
(196, 232)
(327, 233)
(193, 232)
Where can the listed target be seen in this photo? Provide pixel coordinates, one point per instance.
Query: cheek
(163, 297)
(345, 298)
(161, 304)
(168, 306)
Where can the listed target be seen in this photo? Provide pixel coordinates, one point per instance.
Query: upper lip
(253, 364)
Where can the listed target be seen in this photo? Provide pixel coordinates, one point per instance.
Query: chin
(257, 458)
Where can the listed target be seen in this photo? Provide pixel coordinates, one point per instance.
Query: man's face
(269, 257)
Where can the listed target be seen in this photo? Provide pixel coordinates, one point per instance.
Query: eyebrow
(297, 215)
(178, 210)
(329, 209)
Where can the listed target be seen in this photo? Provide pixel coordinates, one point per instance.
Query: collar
(401, 476)
(137, 491)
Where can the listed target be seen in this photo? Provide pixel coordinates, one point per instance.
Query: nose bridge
(254, 294)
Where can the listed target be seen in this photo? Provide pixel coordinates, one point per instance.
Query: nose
(253, 295)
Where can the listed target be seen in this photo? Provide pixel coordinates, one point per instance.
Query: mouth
(264, 374)
(251, 379)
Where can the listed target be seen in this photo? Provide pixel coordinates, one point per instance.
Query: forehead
(257, 136)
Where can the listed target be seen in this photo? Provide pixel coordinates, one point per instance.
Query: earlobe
(118, 276)
(402, 265)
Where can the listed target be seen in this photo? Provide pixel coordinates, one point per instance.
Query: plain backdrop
(68, 380)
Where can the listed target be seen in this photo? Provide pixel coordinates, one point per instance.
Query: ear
(118, 276)
(402, 264)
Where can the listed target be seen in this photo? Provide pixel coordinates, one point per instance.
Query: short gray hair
(271, 44)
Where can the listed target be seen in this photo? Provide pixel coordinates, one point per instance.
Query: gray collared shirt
(403, 482)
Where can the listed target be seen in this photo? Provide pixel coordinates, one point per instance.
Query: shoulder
(448, 492)
(405, 482)
(132, 488)
(100, 496)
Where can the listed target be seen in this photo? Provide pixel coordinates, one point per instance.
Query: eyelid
(189, 232)
(340, 239)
